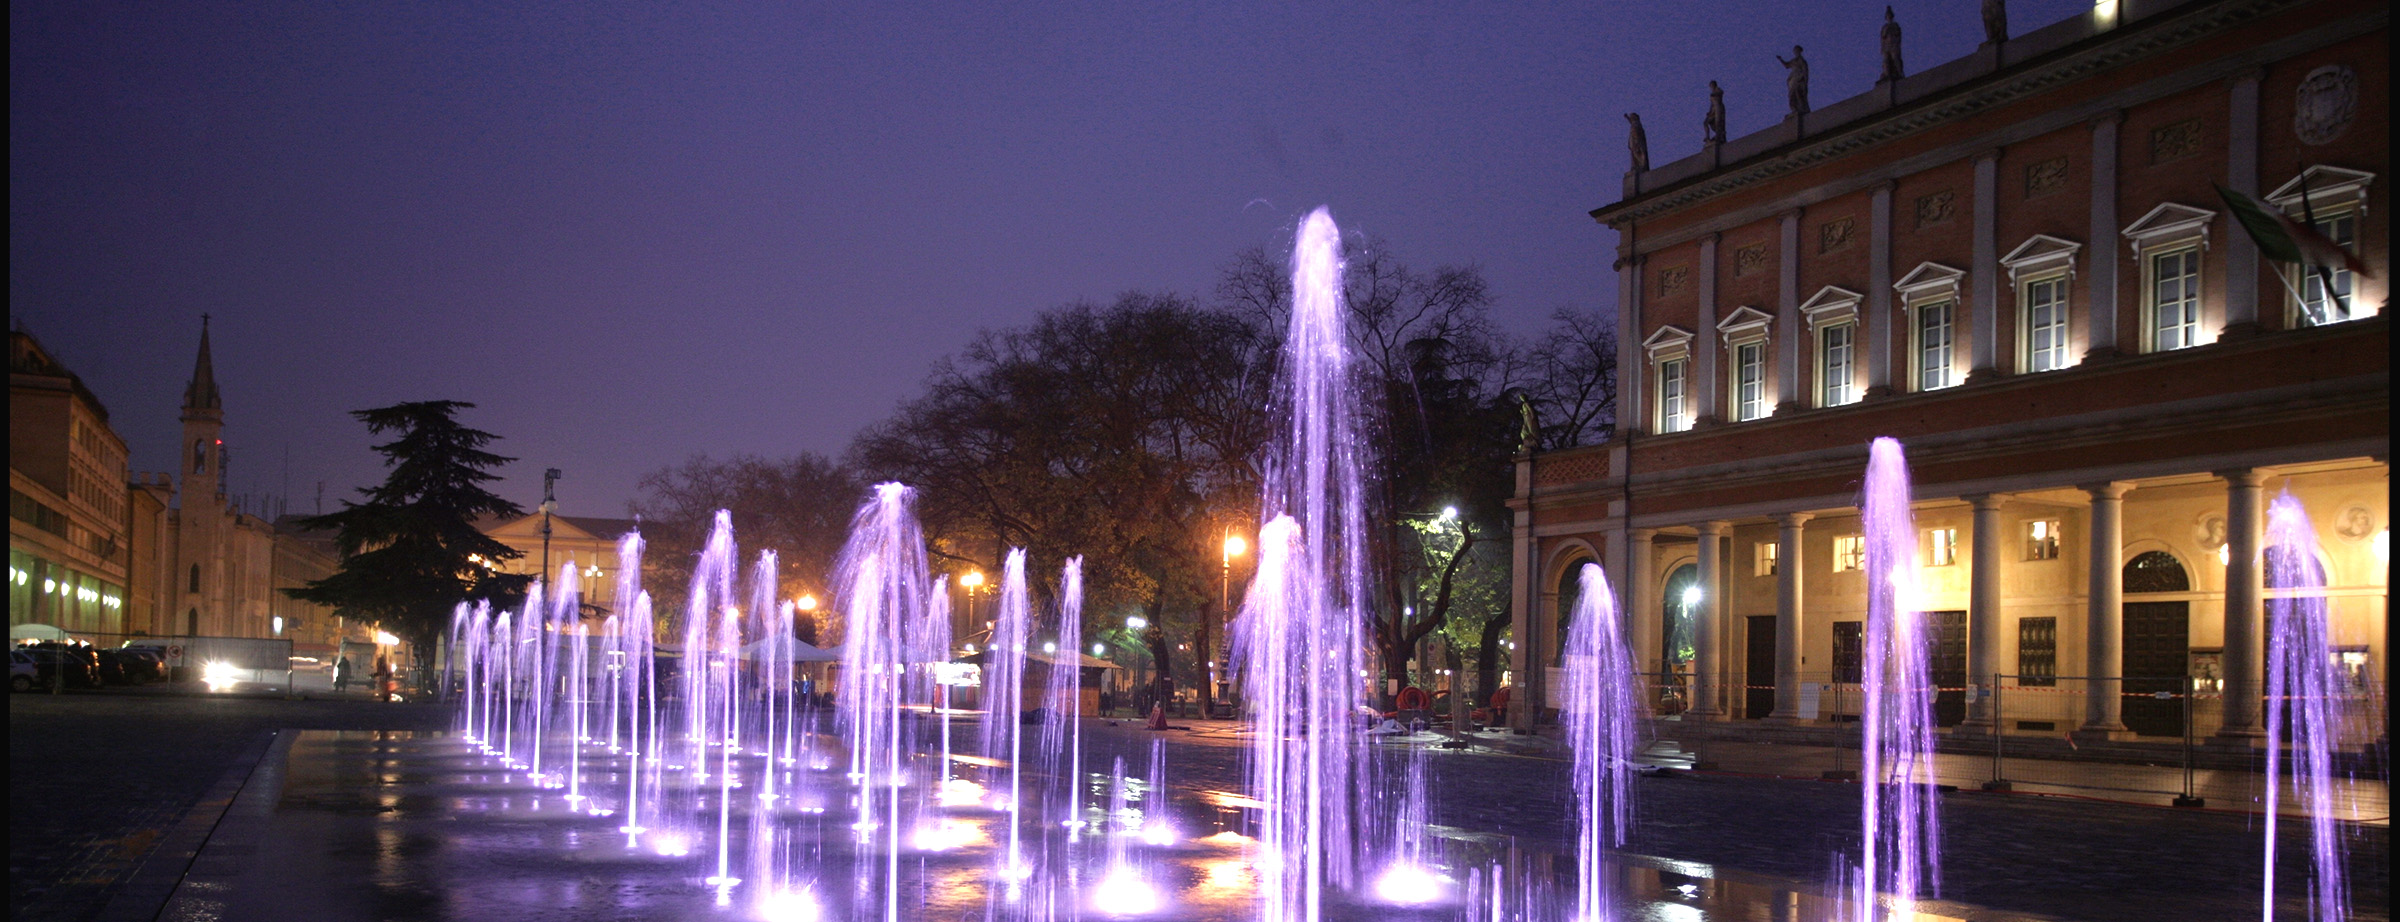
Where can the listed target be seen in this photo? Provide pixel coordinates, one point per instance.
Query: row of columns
(2104, 623)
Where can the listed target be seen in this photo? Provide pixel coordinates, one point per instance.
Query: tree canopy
(411, 550)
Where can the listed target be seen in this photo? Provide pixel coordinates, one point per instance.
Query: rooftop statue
(1714, 124)
(1795, 83)
(1637, 142)
(1891, 48)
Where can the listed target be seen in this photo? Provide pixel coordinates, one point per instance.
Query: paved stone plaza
(113, 797)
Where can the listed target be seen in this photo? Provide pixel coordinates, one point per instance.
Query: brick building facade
(2018, 264)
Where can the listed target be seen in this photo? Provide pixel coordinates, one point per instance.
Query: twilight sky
(631, 233)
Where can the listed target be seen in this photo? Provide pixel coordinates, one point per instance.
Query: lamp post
(970, 582)
(549, 506)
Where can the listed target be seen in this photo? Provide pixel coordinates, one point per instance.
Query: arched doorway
(1676, 605)
(2157, 645)
(1570, 595)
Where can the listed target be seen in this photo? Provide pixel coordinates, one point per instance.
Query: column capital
(1714, 528)
(2111, 489)
(2244, 476)
(1795, 519)
(1989, 155)
(2109, 120)
(1641, 534)
(1986, 502)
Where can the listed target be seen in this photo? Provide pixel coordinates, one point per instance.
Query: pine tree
(411, 551)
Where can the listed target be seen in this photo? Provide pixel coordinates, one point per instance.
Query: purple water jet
(1602, 710)
(1900, 855)
(2304, 704)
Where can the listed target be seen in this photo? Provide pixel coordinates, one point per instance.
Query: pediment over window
(1929, 279)
(1830, 305)
(2169, 223)
(2327, 186)
(1668, 342)
(1744, 324)
(2041, 253)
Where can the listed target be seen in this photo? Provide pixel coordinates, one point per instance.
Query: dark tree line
(1132, 433)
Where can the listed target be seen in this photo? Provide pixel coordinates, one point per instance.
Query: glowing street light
(1136, 623)
(807, 602)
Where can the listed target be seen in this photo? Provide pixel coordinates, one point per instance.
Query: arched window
(195, 577)
(200, 456)
(1570, 595)
(1682, 595)
(2156, 571)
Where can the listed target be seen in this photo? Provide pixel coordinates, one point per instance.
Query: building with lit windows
(69, 547)
(588, 542)
(2017, 263)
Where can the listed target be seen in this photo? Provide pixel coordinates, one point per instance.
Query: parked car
(23, 673)
(131, 667)
(81, 664)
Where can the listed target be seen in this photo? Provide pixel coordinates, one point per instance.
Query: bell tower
(203, 461)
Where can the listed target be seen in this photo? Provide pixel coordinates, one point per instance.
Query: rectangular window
(1849, 552)
(1764, 565)
(2317, 309)
(1674, 410)
(1749, 381)
(2175, 299)
(1837, 357)
(2037, 651)
(2046, 324)
(1848, 643)
(1943, 545)
(2041, 539)
(1935, 342)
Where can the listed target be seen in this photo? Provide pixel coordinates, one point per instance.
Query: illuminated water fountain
(2305, 703)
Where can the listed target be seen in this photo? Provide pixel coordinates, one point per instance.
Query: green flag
(2284, 240)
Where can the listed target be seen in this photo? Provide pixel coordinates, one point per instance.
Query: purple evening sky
(635, 232)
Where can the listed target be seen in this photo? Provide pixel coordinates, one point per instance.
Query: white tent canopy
(18, 632)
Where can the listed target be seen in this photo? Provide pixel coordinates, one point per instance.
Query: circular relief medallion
(2325, 104)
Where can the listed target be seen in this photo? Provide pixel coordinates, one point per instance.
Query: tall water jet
(1603, 710)
(1062, 731)
(1003, 733)
(1300, 631)
(881, 582)
(1900, 854)
(2304, 704)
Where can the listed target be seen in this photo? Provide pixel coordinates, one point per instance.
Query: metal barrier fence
(2030, 733)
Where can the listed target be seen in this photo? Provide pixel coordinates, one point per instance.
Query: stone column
(2100, 338)
(2104, 620)
(2245, 612)
(1983, 352)
(1787, 319)
(2241, 175)
(1644, 614)
(1879, 323)
(1707, 681)
(1985, 625)
(1706, 383)
(1788, 623)
(1525, 604)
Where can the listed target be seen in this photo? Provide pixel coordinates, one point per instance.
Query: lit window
(1943, 544)
(2041, 539)
(1849, 553)
(1750, 381)
(1765, 562)
(1837, 363)
(1936, 342)
(2316, 309)
(1674, 403)
(2175, 299)
(2045, 305)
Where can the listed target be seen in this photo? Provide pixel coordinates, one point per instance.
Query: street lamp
(549, 506)
(971, 582)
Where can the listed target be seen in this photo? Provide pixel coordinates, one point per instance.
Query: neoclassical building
(2019, 264)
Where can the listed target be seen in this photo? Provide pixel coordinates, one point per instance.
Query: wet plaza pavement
(334, 835)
